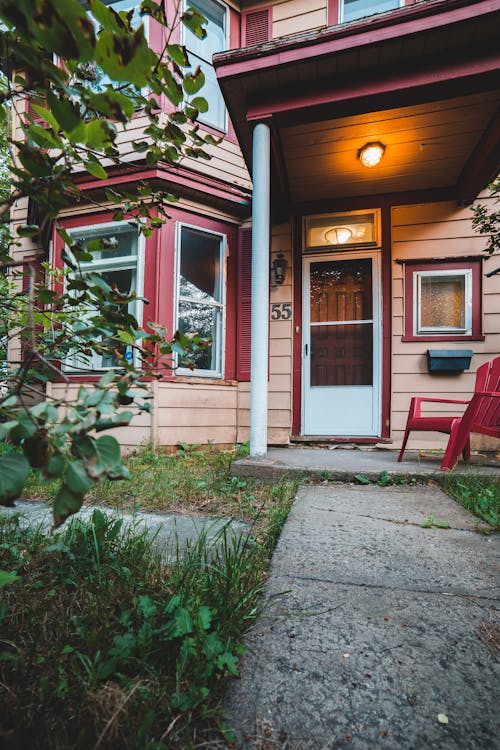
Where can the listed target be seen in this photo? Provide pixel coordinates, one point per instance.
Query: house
(355, 137)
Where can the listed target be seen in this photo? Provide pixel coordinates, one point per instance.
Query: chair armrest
(415, 410)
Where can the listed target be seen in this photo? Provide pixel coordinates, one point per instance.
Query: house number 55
(281, 311)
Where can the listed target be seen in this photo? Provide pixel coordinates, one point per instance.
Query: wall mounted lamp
(338, 235)
(371, 154)
(279, 266)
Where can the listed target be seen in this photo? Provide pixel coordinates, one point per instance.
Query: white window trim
(420, 330)
(201, 116)
(113, 264)
(221, 344)
(373, 13)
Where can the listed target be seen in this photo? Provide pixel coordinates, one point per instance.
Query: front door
(341, 346)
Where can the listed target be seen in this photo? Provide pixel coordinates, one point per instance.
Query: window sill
(442, 338)
(202, 380)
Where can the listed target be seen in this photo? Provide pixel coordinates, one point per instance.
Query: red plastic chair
(487, 381)
(481, 416)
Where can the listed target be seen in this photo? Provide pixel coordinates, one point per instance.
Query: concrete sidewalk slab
(381, 626)
(170, 532)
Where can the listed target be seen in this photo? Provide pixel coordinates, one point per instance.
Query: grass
(103, 646)
(478, 495)
(190, 481)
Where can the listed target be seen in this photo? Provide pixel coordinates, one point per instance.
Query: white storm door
(341, 345)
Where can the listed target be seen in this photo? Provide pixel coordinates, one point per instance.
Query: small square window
(352, 9)
(443, 300)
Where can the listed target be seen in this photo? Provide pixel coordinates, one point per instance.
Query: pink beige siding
(439, 230)
(294, 16)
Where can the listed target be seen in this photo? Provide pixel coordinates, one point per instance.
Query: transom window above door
(342, 230)
(350, 10)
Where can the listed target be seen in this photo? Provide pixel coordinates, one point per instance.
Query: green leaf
(195, 21)
(66, 113)
(362, 478)
(55, 467)
(94, 168)
(46, 115)
(65, 505)
(193, 82)
(7, 578)
(14, 470)
(183, 623)
(199, 103)
(77, 480)
(204, 617)
(43, 137)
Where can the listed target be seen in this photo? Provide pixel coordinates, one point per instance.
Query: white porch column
(260, 289)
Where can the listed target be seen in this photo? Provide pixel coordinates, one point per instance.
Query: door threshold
(335, 440)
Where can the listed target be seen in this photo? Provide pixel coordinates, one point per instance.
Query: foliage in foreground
(103, 646)
(479, 495)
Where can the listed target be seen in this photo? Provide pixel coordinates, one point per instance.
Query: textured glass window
(443, 302)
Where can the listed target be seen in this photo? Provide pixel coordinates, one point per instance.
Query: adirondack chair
(482, 415)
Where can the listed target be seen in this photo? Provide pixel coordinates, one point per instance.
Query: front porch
(343, 463)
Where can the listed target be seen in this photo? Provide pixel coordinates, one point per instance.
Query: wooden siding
(295, 16)
(280, 356)
(439, 230)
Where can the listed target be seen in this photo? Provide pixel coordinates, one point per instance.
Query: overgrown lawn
(103, 644)
(478, 495)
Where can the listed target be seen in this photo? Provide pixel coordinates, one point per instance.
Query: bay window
(201, 51)
(119, 263)
(200, 305)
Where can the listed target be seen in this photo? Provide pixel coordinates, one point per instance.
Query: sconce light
(371, 154)
(338, 235)
(279, 266)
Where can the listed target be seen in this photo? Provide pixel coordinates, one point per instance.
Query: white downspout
(260, 290)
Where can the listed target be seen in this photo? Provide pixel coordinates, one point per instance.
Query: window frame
(222, 306)
(203, 115)
(340, 13)
(415, 270)
(93, 231)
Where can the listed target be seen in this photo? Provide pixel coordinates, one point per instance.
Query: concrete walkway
(383, 633)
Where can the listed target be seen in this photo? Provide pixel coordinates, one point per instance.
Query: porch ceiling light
(338, 235)
(371, 154)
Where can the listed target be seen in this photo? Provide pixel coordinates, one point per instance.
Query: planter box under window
(451, 360)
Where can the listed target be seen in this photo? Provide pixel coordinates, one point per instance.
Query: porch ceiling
(427, 146)
(424, 80)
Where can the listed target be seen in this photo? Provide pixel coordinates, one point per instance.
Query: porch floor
(343, 464)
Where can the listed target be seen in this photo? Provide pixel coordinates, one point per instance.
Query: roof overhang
(412, 63)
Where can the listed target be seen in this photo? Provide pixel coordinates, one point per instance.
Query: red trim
(412, 266)
(482, 165)
(379, 28)
(333, 12)
(388, 88)
(179, 176)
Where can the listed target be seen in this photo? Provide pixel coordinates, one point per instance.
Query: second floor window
(201, 52)
(350, 10)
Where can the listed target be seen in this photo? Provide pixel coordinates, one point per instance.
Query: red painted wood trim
(386, 273)
(333, 12)
(482, 165)
(411, 267)
(403, 22)
(389, 86)
(179, 176)
(433, 195)
(297, 326)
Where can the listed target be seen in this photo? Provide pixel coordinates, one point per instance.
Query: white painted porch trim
(260, 290)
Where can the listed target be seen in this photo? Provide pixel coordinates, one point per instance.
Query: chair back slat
(482, 377)
(493, 381)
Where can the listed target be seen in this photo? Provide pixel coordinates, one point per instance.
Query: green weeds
(104, 646)
(479, 495)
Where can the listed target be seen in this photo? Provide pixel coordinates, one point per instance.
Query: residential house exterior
(322, 282)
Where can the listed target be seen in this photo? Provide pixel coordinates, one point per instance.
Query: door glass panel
(342, 355)
(341, 290)
(341, 348)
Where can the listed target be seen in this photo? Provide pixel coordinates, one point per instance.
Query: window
(119, 266)
(443, 300)
(200, 294)
(350, 10)
(200, 53)
(342, 230)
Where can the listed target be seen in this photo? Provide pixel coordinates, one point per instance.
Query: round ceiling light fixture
(338, 235)
(371, 154)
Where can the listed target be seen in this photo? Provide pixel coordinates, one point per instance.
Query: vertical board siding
(244, 304)
(438, 230)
